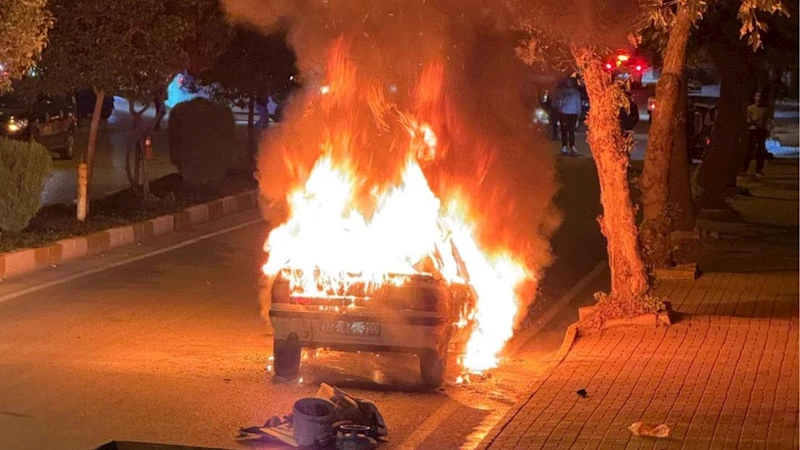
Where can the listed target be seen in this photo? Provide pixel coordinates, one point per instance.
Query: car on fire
(417, 313)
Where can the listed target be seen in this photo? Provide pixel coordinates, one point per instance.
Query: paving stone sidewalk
(725, 376)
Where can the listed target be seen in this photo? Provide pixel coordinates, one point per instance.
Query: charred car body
(422, 314)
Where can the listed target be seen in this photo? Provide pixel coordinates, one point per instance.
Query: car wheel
(68, 152)
(287, 356)
(432, 368)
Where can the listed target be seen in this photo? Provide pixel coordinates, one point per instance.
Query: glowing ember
(346, 235)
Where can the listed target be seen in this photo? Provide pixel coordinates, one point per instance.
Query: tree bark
(131, 152)
(655, 176)
(680, 188)
(725, 158)
(84, 183)
(611, 150)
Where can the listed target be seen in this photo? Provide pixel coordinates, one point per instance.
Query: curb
(24, 261)
(519, 340)
(570, 337)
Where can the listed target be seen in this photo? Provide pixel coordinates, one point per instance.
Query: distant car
(85, 100)
(625, 65)
(694, 97)
(700, 121)
(48, 120)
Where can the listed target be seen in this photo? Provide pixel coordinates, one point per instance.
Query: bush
(24, 167)
(201, 140)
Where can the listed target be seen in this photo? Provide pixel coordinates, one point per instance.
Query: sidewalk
(724, 376)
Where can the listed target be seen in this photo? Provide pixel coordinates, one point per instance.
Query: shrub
(609, 308)
(24, 167)
(201, 140)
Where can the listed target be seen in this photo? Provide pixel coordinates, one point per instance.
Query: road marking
(86, 273)
(430, 425)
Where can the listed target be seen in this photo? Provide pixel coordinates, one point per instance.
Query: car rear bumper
(396, 333)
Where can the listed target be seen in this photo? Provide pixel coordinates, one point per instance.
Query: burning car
(419, 313)
(378, 244)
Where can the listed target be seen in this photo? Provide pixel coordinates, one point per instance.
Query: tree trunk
(251, 135)
(680, 188)
(145, 180)
(611, 151)
(655, 176)
(84, 182)
(130, 151)
(725, 158)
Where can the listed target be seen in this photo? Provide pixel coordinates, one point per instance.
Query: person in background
(629, 117)
(569, 107)
(759, 122)
(549, 102)
(159, 100)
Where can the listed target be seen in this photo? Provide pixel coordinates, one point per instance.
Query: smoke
(451, 61)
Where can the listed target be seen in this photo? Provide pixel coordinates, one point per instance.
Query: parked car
(701, 115)
(85, 100)
(625, 65)
(411, 314)
(700, 121)
(50, 121)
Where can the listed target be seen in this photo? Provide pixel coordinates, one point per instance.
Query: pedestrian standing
(759, 122)
(629, 117)
(569, 107)
(159, 100)
(549, 103)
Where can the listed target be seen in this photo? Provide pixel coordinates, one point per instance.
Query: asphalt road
(164, 342)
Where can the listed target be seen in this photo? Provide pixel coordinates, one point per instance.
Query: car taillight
(609, 66)
(638, 68)
(708, 141)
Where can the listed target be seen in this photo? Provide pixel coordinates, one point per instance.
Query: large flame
(355, 222)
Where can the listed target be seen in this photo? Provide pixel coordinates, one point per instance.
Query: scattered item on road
(313, 420)
(647, 430)
(353, 437)
(330, 419)
(581, 393)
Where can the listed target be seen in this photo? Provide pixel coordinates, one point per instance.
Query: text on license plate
(352, 328)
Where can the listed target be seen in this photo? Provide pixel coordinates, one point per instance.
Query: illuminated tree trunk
(655, 185)
(611, 151)
(84, 182)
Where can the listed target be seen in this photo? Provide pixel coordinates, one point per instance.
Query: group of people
(566, 107)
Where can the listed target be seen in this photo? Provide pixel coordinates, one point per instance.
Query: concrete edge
(23, 261)
(683, 272)
(569, 339)
(566, 345)
(519, 340)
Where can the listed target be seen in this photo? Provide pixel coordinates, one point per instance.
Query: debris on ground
(581, 393)
(644, 429)
(330, 419)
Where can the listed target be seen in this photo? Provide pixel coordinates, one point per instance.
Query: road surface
(171, 347)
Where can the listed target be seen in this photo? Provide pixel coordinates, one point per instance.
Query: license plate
(351, 328)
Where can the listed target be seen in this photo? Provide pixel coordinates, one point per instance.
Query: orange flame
(363, 216)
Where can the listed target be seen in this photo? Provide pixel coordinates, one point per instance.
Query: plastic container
(313, 420)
